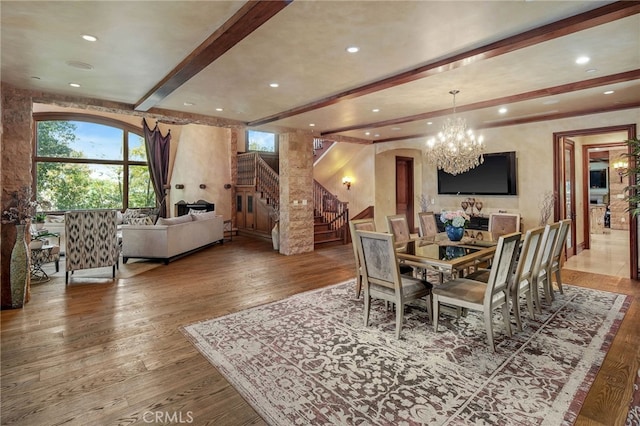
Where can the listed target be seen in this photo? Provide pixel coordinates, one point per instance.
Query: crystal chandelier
(456, 149)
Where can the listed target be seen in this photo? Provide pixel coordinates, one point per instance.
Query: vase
(275, 237)
(19, 269)
(454, 233)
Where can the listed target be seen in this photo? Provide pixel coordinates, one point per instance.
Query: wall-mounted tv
(598, 179)
(496, 176)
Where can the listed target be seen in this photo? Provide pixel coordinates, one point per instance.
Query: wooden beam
(249, 18)
(534, 94)
(563, 27)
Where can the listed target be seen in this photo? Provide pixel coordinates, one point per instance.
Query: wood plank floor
(103, 352)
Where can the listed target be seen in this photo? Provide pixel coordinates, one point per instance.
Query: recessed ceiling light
(395, 129)
(429, 123)
(89, 37)
(219, 109)
(312, 125)
(582, 60)
(609, 92)
(74, 85)
(503, 110)
(550, 102)
(376, 135)
(367, 133)
(274, 85)
(375, 110)
(187, 103)
(353, 49)
(591, 70)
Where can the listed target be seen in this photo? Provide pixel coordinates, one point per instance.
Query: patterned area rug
(308, 359)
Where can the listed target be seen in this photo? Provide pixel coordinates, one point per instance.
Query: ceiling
(218, 59)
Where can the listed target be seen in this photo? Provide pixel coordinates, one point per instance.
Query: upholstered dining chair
(382, 278)
(503, 223)
(480, 296)
(91, 240)
(427, 225)
(555, 266)
(399, 226)
(359, 225)
(543, 262)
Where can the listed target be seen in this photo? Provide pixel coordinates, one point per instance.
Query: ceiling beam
(246, 20)
(546, 117)
(563, 27)
(534, 94)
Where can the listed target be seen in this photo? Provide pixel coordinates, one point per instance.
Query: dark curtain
(158, 158)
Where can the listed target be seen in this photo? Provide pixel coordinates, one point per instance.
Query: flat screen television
(496, 176)
(598, 179)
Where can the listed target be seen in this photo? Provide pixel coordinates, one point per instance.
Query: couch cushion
(174, 220)
(202, 215)
(145, 220)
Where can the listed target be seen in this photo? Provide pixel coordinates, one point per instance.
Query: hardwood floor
(101, 352)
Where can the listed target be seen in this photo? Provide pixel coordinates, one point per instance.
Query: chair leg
(358, 286)
(66, 278)
(535, 294)
(399, 319)
(532, 314)
(436, 313)
(57, 266)
(505, 316)
(548, 289)
(367, 305)
(489, 327)
(559, 280)
(515, 300)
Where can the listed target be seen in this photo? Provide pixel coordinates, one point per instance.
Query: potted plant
(454, 222)
(39, 219)
(633, 169)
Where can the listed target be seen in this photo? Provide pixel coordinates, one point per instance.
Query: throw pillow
(203, 215)
(146, 220)
(174, 220)
(197, 211)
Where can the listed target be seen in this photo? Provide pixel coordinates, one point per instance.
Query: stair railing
(334, 211)
(254, 171)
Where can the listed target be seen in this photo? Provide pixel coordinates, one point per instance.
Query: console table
(40, 256)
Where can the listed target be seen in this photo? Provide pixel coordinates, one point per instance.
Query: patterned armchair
(92, 240)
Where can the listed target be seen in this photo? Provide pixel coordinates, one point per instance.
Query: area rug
(309, 360)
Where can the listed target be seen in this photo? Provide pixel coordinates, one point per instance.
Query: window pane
(141, 192)
(79, 139)
(261, 141)
(70, 186)
(137, 148)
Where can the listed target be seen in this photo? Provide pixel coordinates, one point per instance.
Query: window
(88, 162)
(261, 141)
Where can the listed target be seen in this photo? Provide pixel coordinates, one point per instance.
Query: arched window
(88, 162)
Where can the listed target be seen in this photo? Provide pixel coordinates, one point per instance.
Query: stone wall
(15, 168)
(617, 204)
(296, 187)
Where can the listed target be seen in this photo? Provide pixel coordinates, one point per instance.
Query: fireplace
(183, 207)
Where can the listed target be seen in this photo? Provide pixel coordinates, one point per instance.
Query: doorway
(584, 141)
(404, 189)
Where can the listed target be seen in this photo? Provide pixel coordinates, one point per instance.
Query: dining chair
(381, 276)
(523, 280)
(503, 223)
(399, 226)
(543, 261)
(480, 296)
(359, 225)
(555, 266)
(428, 227)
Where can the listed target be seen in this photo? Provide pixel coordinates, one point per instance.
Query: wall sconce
(621, 167)
(203, 186)
(347, 180)
(179, 186)
(227, 186)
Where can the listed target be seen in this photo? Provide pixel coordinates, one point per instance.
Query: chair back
(91, 239)
(545, 255)
(398, 226)
(378, 259)
(359, 225)
(428, 227)
(502, 267)
(503, 223)
(528, 253)
(561, 240)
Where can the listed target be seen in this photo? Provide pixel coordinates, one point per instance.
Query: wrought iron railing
(334, 211)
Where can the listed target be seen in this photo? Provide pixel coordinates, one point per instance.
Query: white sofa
(171, 238)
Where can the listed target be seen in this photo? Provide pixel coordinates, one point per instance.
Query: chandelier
(456, 149)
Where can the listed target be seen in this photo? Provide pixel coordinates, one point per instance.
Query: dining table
(446, 257)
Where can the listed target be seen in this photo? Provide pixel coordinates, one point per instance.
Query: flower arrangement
(21, 207)
(458, 219)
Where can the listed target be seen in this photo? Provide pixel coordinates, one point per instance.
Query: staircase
(331, 216)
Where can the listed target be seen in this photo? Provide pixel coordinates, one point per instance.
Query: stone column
(15, 167)
(296, 192)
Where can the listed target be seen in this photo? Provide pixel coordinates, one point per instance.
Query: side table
(40, 256)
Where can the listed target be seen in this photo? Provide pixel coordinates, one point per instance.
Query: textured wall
(617, 206)
(296, 184)
(15, 170)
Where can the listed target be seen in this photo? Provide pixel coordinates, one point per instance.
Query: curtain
(158, 159)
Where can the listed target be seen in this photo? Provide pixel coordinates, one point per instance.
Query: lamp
(456, 149)
(621, 166)
(347, 180)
